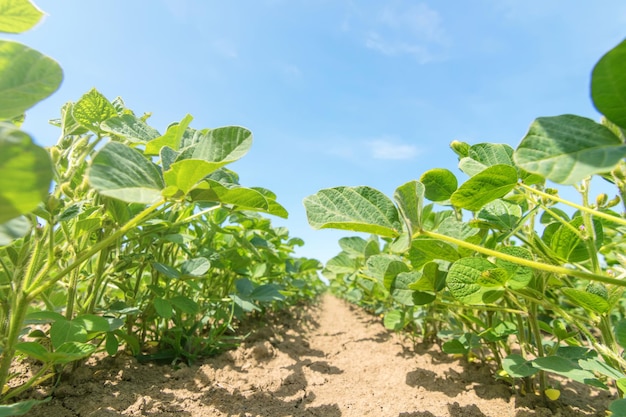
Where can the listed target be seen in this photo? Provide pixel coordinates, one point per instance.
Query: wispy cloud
(384, 148)
(391, 150)
(401, 28)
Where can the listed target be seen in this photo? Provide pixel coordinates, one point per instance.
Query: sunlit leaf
(439, 184)
(484, 187)
(123, 173)
(28, 77)
(587, 300)
(20, 408)
(464, 277)
(409, 198)
(361, 209)
(130, 128)
(25, 173)
(92, 109)
(568, 148)
(608, 85)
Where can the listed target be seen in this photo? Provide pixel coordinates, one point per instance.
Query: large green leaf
(587, 300)
(14, 229)
(130, 127)
(464, 280)
(385, 268)
(519, 276)
(92, 109)
(360, 209)
(568, 148)
(18, 16)
(123, 173)
(484, 187)
(25, 173)
(27, 77)
(172, 137)
(186, 174)
(222, 145)
(409, 198)
(439, 184)
(501, 214)
(608, 85)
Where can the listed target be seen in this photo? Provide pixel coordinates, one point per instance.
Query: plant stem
(605, 216)
(39, 286)
(555, 269)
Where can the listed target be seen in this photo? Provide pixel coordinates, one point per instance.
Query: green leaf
(608, 85)
(34, 350)
(342, 264)
(92, 323)
(353, 245)
(62, 331)
(224, 145)
(385, 268)
(185, 304)
(186, 174)
(520, 276)
(195, 267)
(166, 270)
(454, 347)
(493, 278)
(72, 351)
(409, 198)
(564, 367)
(25, 173)
(28, 77)
(594, 365)
(517, 367)
(20, 408)
(484, 155)
(400, 287)
(123, 173)
(501, 214)
(568, 148)
(484, 187)
(172, 137)
(130, 128)
(18, 16)
(393, 320)
(266, 293)
(463, 279)
(92, 109)
(424, 250)
(360, 209)
(163, 308)
(439, 184)
(587, 300)
(618, 408)
(242, 197)
(111, 344)
(14, 229)
(568, 245)
(620, 332)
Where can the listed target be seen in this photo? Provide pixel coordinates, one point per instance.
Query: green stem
(584, 209)
(555, 269)
(39, 286)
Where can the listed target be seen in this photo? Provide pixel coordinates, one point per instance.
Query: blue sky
(336, 92)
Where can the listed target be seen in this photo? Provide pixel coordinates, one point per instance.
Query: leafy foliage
(497, 259)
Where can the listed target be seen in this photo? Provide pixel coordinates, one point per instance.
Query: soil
(328, 360)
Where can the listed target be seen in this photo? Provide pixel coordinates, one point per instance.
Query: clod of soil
(329, 360)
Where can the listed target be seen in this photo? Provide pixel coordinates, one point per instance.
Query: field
(328, 360)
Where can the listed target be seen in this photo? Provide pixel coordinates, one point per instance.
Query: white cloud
(401, 28)
(388, 149)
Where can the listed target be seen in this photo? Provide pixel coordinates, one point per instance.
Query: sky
(335, 92)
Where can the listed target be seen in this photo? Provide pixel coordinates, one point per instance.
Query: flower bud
(460, 148)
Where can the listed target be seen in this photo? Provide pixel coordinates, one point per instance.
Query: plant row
(123, 237)
(500, 266)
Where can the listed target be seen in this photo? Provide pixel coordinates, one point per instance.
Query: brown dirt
(329, 360)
